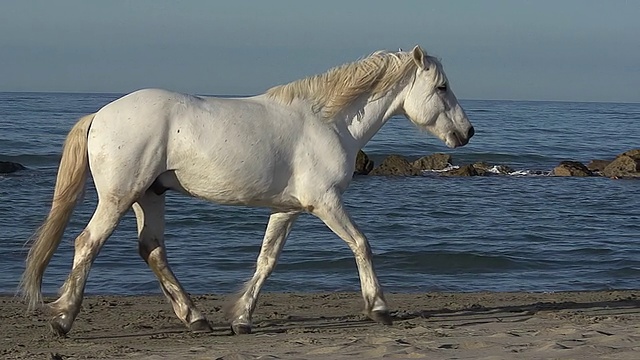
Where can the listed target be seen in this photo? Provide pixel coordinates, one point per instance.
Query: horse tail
(70, 183)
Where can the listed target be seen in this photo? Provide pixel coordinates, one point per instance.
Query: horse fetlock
(379, 304)
(374, 303)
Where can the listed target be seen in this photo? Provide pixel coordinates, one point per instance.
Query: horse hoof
(200, 326)
(57, 328)
(241, 329)
(382, 317)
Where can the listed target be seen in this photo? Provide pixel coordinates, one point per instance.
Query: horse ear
(418, 56)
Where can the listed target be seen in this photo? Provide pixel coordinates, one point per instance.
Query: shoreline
(497, 325)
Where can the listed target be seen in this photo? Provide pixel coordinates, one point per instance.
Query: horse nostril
(470, 132)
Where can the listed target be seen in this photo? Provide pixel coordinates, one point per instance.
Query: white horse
(292, 149)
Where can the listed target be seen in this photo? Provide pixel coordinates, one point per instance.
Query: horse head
(431, 104)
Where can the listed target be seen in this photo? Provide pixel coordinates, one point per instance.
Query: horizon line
(249, 95)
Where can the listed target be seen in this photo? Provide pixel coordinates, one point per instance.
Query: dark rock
(9, 167)
(625, 165)
(395, 165)
(363, 164)
(598, 165)
(437, 161)
(538, 172)
(571, 168)
(466, 170)
(482, 168)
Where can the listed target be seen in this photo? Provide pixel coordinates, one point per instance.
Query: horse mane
(334, 90)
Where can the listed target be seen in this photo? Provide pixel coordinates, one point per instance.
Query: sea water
(520, 232)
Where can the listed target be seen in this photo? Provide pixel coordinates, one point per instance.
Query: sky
(566, 50)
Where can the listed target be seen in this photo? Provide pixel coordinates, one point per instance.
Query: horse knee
(146, 247)
(363, 250)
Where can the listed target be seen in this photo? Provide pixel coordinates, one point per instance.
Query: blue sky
(511, 49)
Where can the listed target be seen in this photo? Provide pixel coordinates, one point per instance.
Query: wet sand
(570, 325)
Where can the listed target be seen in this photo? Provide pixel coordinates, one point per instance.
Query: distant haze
(578, 50)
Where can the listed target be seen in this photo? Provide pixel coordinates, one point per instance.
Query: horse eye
(442, 88)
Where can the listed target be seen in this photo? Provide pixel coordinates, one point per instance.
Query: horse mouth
(455, 140)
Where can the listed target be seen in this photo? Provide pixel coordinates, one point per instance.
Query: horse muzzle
(455, 139)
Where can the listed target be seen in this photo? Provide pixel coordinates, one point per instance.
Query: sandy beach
(570, 325)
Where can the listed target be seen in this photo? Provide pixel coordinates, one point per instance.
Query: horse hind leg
(149, 210)
(87, 246)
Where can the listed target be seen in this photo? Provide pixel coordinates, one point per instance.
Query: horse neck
(364, 119)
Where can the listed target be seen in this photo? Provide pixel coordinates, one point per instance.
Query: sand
(571, 325)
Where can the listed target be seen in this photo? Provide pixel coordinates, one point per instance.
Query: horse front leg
(275, 236)
(330, 209)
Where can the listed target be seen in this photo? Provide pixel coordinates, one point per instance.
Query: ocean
(522, 232)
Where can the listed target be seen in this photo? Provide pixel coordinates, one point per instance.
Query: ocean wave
(431, 262)
(497, 170)
(447, 262)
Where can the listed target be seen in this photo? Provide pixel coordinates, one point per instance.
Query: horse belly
(256, 179)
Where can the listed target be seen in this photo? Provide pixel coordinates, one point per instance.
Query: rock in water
(395, 165)
(363, 164)
(466, 170)
(483, 168)
(9, 167)
(437, 161)
(598, 165)
(571, 168)
(625, 165)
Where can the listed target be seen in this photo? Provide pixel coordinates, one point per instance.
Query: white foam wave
(498, 170)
